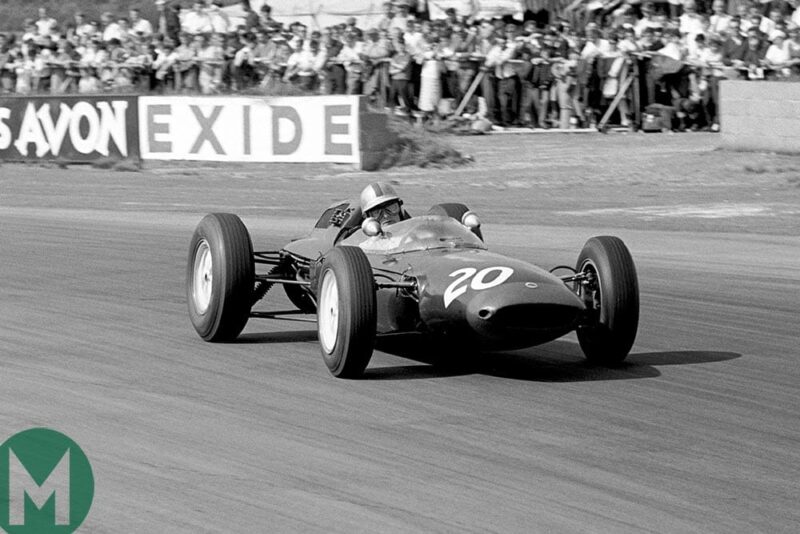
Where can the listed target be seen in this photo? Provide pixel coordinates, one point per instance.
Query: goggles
(385, 211)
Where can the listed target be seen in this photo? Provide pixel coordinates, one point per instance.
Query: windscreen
(422, 233)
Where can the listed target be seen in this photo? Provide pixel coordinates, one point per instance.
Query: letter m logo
(21, 483)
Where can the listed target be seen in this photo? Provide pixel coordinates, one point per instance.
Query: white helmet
(377, 194)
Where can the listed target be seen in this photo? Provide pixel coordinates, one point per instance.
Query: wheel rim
(328, 312)
(593, 296)
(203, 277)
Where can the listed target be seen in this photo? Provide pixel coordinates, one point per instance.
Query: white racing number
(479, 280)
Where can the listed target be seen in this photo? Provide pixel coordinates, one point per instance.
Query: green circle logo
(46, 483)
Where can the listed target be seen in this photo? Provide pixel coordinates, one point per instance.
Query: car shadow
(557, 361)
(292, 336)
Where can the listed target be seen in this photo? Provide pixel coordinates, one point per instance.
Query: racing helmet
(377, 194)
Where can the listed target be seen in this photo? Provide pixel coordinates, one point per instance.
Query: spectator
(210, 57)
(45, 25)
(31, 33)
(778, 55)
(385, 23)
(196, 20)
(751, 55)
(186, 64)
(25, 70)
(401, 17)
(430, 78)
(219, 19)
(400, 73)
(164, 65)
(138, 25)
(251, 20)
(244, 62)
(111, 29)
(265, 18)
(83, 29)
(350, 56)
(304, 65)
(718, 22)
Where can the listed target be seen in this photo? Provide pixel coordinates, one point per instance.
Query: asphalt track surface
(698, 431)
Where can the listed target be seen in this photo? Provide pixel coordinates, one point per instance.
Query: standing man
(197, 20)
(169, 22)
(139, 26)
(111, 29)
(401, 17)
(388, 16)
(45, 25)
(250, 17)
(82, 28)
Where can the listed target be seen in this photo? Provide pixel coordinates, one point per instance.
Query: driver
(380, 201)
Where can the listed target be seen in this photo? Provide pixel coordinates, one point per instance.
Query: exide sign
(68, 128)
(249, 129)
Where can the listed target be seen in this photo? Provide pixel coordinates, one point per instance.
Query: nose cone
(523, 314)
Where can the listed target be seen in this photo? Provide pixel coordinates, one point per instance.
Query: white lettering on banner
(5, 132)
(31, 132)
(250, 129)
(206, 129)
(84, 110)
(113, 126)
(38, 128)
(55, 134)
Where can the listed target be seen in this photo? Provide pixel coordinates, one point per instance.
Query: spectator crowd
(563, 66)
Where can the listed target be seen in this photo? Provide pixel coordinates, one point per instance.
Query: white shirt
(777, 55)
(143, 26)
(84, 30)
(46, 26)
(718, 23)
(691, 25)
(672, 50)
(767, 26)
(219, 20)
(112, 31)
(195, 22)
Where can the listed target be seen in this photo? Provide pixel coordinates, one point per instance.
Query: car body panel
(463, 290)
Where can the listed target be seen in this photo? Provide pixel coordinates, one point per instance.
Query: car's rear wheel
(346, 311)
(454, 210)
(611, 296)
(220, 277)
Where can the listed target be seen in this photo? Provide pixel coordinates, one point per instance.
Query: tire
(220, 277)
(454, 210)
(347, 311)
(606, 337)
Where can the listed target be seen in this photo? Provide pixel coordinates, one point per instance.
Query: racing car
(431, 274)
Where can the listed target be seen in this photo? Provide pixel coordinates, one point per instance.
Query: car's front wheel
(346, 311)
(611, 295)
(220, 277)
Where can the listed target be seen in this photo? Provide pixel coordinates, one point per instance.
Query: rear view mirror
(471, 220)
(371, 227)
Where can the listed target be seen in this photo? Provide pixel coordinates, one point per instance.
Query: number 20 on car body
(479, 282)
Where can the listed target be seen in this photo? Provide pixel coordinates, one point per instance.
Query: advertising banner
(316, 14)
(489, 9)
(68, 128)
(437, 8)
(250, 129)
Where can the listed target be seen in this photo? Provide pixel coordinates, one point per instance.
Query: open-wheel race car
(429, 274)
